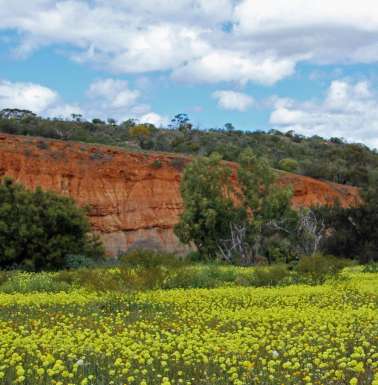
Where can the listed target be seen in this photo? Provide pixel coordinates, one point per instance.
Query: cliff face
(133, 197)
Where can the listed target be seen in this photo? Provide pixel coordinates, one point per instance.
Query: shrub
(156, 164)
(193, 277)
(147, 269)
(78, 261)
(270, 275)
(288, 164)
(22, 282)
(149, 259)
(318, 268)
(101, 280)
(194, 256)
(38, 229)
(201, 277)
(4, 276)
(371, 268)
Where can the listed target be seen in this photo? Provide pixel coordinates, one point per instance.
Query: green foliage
(147, 269)
(4, 276)
(202, 276)
(206, 191)
(22, 282)
(270, 275)
(371, 268)
(38, 230)
(78, 262)
(141, 133)
(231, 223)
(93, 279)
(316, 269)
(354, 230)
(128, 279)
(267, 207)
(288, 164)
(193, 278)
(147, 259)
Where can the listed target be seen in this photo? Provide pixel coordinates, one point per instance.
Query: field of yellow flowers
(293, 335)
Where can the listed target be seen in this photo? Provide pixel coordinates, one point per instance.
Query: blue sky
(260, 64)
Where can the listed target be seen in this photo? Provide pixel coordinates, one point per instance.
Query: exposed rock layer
(133, 196)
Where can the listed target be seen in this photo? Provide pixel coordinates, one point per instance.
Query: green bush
(201, 277)
(143, 258)
(318, 268)
(38, 229)
(78, 262)
(147, 269)
(4, 276)
(193, 277)
(270, 275)
(288, 164)
(22, 282)
(371, 268)
(98, 279)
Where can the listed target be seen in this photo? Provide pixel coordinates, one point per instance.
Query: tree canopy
(233, 221)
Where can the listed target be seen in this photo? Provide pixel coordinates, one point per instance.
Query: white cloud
(263, 42)
(221, 66)
(114, 94)
(64, 111)
(155, 119)
(231, 100)
(323, 31)
(28, 96)
(106, 98)
(349, 110)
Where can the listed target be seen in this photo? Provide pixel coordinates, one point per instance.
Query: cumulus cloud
(63, 111)
(231, 100)
(114, 94)
(320, 31)
(223, 66)
(155, 119)
(105, 98)
(28, 96)
(199, 40)
(349, 110)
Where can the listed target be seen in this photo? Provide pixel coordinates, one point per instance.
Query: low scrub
(273, 275)
(316, 269)
(371, 268)
(22, 282)
(147, 269)
(201, 277)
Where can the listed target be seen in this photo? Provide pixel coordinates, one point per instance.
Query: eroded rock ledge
(133, 196)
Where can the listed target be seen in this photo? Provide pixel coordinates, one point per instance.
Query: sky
(307, 66)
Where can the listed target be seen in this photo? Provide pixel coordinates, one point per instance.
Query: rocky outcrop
(133, 196)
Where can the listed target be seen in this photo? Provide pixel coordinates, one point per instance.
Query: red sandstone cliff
(133, 196)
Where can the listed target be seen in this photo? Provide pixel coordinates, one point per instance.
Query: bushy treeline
(333, 159)
(252, 221)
